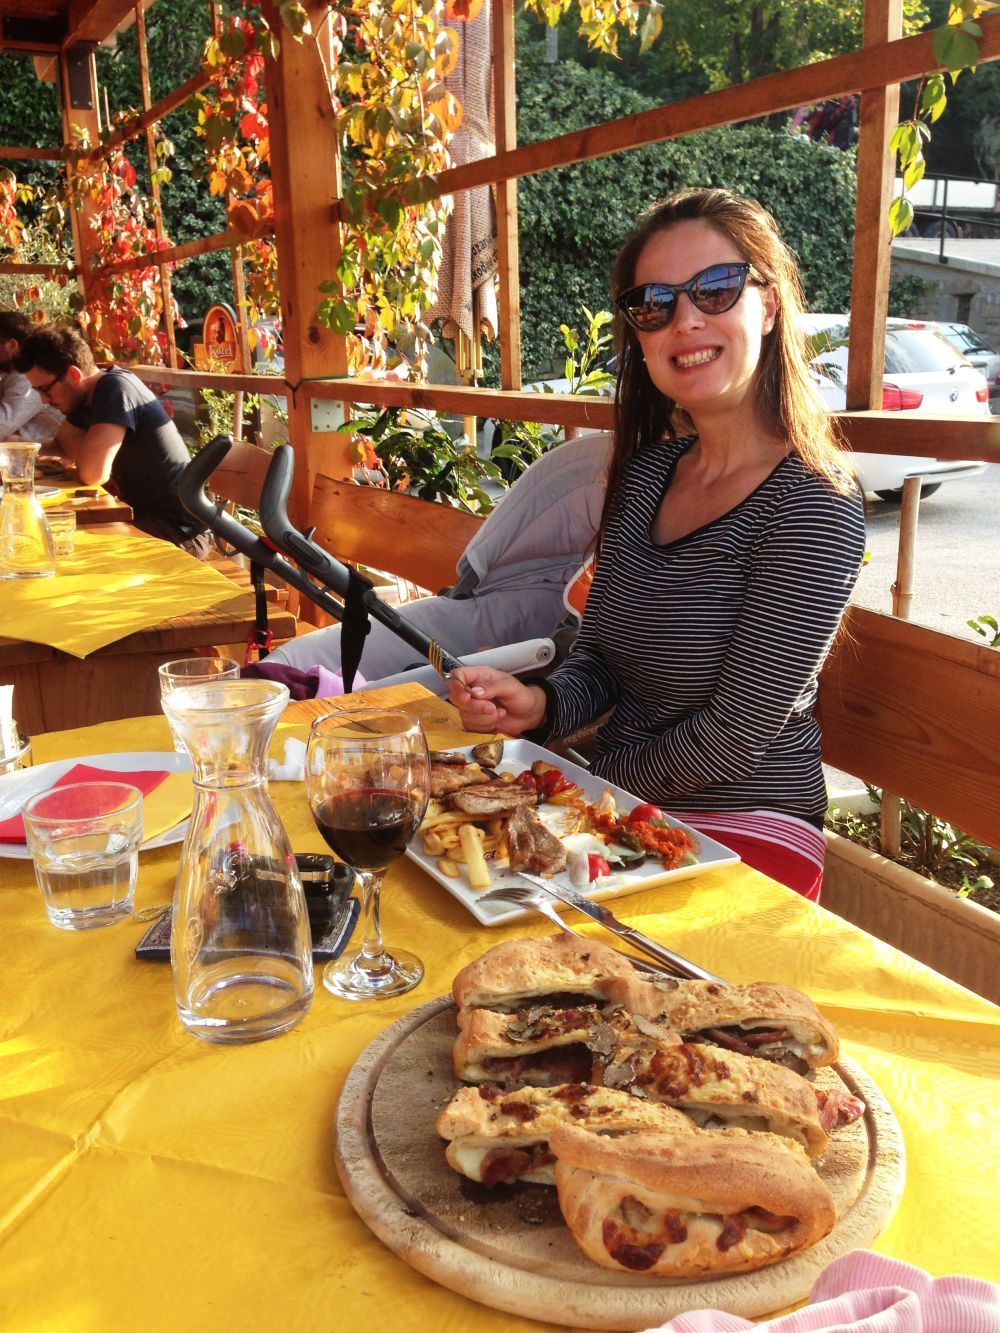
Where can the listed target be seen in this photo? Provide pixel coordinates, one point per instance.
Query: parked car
(923, 372)
(974, 348)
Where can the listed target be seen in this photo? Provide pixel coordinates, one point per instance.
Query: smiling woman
(730, 541)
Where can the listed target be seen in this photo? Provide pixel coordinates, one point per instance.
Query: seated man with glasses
(115, 429)
(23, 415)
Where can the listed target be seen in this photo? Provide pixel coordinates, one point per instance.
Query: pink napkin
(872, 1294)
(147, 780)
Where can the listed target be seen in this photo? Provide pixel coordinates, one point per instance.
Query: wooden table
(54, 691)
(91, 504)
(149, 1180)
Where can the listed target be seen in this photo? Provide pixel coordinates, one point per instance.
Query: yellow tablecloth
(149, 1181)
(110, 587)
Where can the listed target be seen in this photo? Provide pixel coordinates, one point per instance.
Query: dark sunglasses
(713, 291)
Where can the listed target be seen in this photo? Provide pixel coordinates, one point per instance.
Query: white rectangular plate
(15, 788)
(519, 755)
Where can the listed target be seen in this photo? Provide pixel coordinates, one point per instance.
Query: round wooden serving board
(509, 1248)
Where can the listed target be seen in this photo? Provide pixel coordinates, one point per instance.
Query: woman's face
(703, 362)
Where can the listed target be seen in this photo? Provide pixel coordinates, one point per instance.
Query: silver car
(923, 372)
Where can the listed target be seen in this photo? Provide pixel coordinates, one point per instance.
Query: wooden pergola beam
(203, 245)
(870, 68)
(876, 431)
(95, 20)
(139, 124)
(32, 154)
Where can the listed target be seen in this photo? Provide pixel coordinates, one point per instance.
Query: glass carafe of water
(240, 945)
(25, 540)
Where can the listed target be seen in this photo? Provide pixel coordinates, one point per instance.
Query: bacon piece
(734, 1228)
(521, 1111)
(624, 1251)
(504, 1164)
(837, 1108)
(759, 1219)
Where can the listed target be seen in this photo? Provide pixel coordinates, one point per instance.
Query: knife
(606, 918)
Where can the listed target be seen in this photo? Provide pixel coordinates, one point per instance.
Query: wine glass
(368, 782)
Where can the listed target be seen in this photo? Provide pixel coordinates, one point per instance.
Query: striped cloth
(873, 1294)
(708, 648)
(779, 846)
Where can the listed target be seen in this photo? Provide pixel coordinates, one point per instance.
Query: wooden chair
(418, 540)
(917, 713)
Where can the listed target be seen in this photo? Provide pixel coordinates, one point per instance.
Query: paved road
(958, 555)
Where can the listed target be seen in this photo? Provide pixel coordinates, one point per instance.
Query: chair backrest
(419, 540)
(239, 478)
(917, 713)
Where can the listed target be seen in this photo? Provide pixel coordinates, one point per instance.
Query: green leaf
(900, 215)
(391, 210)
(913, 173)
(955, 49)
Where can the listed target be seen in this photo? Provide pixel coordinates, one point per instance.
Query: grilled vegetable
(488, 754)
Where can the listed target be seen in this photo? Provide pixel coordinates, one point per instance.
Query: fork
(524, 895)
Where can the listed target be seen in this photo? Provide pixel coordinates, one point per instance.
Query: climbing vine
(233, 123)
(956, 46)
(124, 310)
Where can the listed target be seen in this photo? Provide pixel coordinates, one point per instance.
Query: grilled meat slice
(487, 799)
(531, 846)
(449, 777)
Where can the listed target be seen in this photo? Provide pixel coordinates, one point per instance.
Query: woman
(731, 539)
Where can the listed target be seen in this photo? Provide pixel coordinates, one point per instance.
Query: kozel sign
(220, 344)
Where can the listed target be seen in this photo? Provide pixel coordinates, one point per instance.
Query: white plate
(15, 788)
(519, 755)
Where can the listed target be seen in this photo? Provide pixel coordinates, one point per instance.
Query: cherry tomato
(551, 782)
(597, 866)
(642, 814)
(528, 779)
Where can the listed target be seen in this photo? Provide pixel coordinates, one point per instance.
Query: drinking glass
(368, 782)
(194, 671)
(62, 525)
(84, 842)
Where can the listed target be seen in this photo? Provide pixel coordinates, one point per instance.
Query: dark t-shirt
(152, 455)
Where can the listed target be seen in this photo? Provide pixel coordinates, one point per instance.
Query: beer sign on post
(220, 346)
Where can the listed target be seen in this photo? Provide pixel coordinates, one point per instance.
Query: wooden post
(902, 601)
(883, 22)
(305, 168)
(509, 294)
(154, 184)
(78, 89)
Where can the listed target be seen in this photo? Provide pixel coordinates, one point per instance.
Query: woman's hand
(491, 700)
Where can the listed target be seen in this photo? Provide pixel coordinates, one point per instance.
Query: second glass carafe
(240, 945)
(26, 550)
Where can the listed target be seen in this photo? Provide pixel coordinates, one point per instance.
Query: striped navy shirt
(708, 648)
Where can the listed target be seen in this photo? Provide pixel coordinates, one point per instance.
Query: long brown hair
(786, 404)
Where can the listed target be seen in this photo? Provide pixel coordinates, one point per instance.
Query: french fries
(471, 841)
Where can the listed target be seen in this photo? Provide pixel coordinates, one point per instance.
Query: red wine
(369, 827)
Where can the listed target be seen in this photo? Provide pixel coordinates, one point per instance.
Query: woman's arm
(802, 573)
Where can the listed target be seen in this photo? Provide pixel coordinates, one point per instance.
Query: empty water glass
(84, 842)
(194, 671)
(62, 525)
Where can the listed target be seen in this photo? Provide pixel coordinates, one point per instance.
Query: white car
(923, 372)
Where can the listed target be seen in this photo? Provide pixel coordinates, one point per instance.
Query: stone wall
(965, 290)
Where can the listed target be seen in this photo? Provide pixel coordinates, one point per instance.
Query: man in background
(116, 430)
(23, 415)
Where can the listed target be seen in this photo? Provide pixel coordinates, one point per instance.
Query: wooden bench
(917, 713)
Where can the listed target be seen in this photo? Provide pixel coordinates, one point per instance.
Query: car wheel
(936, 226)
(895, 497)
